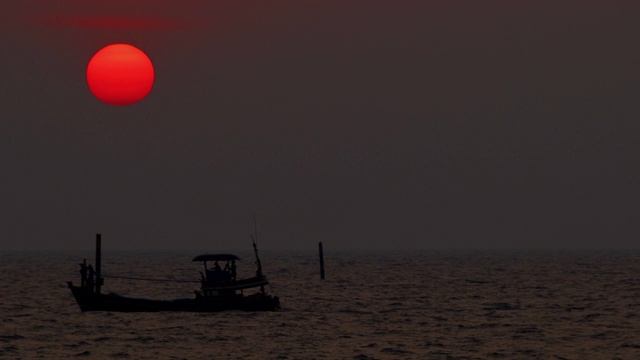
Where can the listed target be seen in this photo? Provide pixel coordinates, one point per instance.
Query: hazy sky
(388, 124)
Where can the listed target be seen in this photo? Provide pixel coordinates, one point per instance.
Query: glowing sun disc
(120, 74)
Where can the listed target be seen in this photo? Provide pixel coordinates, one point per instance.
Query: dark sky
(389, 124)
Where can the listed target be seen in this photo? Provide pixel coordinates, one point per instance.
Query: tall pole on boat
(255, 246)
(98, 261)
(255, 250)
(258, 264)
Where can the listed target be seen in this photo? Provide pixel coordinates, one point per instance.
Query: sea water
(418, 305)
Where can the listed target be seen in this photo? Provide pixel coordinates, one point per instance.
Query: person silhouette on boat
(216, 267)
(226, 272)
(232, 270)
(83, 274)
(90, 278)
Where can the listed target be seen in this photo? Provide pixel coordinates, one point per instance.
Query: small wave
(396, 351)
(6, 338)
(354, 311)
(589, 317)
(429, 344)
(143, 339)
(498, 306)
(120, 355)
(362, 357)
(479, 282)
(22, 315)
(528, 330)
(9, 349)
(84, 353)
(496, 354)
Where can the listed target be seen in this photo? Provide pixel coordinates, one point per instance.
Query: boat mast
(255, 251)
(258, 264)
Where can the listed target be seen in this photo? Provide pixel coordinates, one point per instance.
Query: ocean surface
(420, 305)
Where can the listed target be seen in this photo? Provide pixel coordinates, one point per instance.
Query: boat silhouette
(220, 290)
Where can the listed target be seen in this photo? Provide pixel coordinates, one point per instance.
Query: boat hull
(91, 301)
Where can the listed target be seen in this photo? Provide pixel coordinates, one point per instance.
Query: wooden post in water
(321, 260)
(98, 260)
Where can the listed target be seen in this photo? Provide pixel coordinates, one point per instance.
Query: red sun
(120, 74)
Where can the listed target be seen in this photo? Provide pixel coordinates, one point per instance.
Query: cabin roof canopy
(216, 257)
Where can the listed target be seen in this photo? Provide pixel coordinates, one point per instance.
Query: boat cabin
(217, 273)
(219, 276)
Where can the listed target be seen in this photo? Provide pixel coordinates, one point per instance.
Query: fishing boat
(219, 290)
